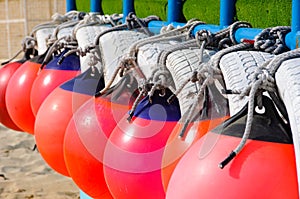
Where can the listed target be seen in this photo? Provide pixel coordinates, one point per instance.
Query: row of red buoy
(6, 72)
(264, 169)
(153, 154)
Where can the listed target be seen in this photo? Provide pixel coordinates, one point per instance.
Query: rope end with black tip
(227, 160)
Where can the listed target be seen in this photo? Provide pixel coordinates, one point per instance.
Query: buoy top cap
(158, 109)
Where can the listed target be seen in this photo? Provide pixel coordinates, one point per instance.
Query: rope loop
(193, 23)
(66, 42)
(262, 80)
(56, 20)
(144, 87)
(166, 29)
(271, 40)
(160, 79)
(234, 27)
(94, 59)
(204, 36)
(125, 64)
(132, 22)
(56, 17)
(28, 45)
(89, 20)
(154, 88)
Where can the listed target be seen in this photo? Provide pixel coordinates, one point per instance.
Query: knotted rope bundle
(262, 80)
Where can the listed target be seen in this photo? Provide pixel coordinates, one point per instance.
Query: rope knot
(262, 80)
(28, 43)
(93, 60)
(56, 17)
(271, 40)
(194, 76)
(167, 28)
(234, 27)
(128, 62)
(204, 36)
(51, 40)
(263, 74)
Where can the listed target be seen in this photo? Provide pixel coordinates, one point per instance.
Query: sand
(25, 175)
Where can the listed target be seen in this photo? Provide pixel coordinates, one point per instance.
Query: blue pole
(70, 5)
(95, 7)
(128, 6)
(295, 16)
(174, 11)
(227, 12)
(293, 38)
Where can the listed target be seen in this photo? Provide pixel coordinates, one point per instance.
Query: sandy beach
(25, 175)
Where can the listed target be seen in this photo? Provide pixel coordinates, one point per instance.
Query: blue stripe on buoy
(85, 83)
(159, 109)
(70, 62)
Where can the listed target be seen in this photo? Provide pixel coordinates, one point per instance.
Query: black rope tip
(129, 118)
(227, 160)
(97, 94)
(43, 65)
(171, 98)
(227, 91)
(183, 130)
(4, 63)
(60, 61)
(34, 147)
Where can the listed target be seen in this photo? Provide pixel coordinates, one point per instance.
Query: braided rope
(205, 77)
(212, 66)
(129, 61)
(234, 27)
(89, 20)
(112, 19)
(271, 40)
(207, 73)
(124, 63)
(262, 80)
(144, 87)
(56, 20)
(142, 24)
(63, 42)
(173, 34)
(130, 21)
(159, 76)
(53, 37)
(213, 40)
(28, 43)
(135, 104)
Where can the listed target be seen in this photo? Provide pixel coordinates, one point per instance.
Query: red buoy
(133, 154)
(52, 75)
(191, 127)
(55, 113)
(6, 73)
(265, 168)
(87, 134)
(18, 94)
